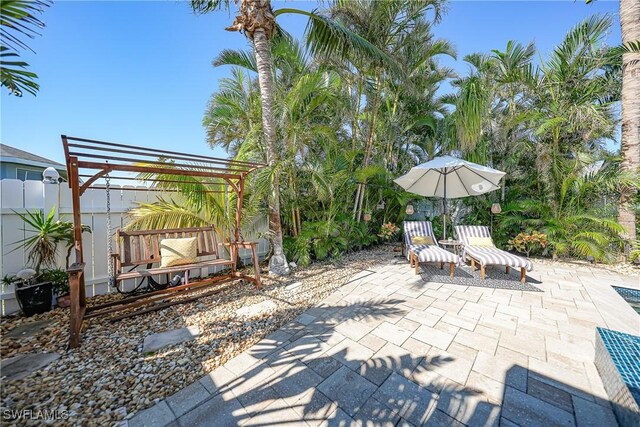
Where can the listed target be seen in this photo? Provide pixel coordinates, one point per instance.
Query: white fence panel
(12, 194)
(18, 196)
(65, 202)
(34, 195)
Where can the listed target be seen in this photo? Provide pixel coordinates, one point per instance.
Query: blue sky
(139, 72)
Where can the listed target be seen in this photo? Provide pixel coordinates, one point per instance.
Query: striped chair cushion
(431, 253)
(487, 255)
(426, 253)
(417, 228)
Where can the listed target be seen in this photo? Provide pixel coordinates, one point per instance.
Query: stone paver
(376, 413)
(164, 339)
(348, 389)
(433, 337)
(550, 394)
(18, 367)
(187, 398)
(412, 402)
(28, 329)
(389, 349)
(468, 406)
(158, 415)
(527, 410)
(589, 414)
(392, 333)
(216, 411)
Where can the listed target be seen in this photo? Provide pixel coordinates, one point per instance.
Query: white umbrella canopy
(448, 177)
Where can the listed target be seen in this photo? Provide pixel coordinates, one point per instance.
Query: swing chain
(110, 271)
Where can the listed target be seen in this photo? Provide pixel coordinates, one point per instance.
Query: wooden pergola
(90, 160)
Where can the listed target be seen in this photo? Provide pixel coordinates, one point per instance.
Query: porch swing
(137, 251)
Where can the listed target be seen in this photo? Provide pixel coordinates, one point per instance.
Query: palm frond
(18, 19)
(238, 58)
(326, 37)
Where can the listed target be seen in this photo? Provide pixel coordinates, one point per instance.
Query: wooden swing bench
(138, 248)
(142, 247)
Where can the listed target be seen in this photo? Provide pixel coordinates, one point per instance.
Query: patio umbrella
(450, 178)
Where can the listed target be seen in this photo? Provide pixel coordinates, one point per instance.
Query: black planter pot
(35, 299)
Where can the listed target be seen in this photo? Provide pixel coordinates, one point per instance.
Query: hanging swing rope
(110, 271)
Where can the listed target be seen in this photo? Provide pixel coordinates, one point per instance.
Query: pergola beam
(154, 169)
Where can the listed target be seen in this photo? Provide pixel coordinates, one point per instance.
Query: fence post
(51, 194)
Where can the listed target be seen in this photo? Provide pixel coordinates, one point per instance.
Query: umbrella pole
(444, 208)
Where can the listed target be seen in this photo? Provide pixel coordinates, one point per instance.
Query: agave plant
(49, 232)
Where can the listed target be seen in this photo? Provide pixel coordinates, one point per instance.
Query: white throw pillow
(178, 251)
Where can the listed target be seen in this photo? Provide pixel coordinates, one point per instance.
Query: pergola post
(76, 270)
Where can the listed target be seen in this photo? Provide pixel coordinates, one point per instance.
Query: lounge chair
(423, 253)
(485, 253)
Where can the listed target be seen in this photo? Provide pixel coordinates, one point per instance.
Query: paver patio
(392, 349)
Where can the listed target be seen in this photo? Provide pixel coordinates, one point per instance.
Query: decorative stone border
(617, 359)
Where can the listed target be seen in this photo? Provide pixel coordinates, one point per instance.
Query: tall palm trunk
(278, 263)
(257, 21)
(630, 147)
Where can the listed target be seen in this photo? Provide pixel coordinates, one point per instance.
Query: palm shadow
(311, 372)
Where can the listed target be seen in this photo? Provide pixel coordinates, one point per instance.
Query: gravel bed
(109, 378)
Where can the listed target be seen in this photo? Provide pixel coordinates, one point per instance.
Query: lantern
(367, 217)
(409, 210)
(380, 205)
(496, 208)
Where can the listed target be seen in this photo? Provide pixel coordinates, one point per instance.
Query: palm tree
(555, 116)
(257, 21)
(306, 100)
(630, 139)
(18, 18)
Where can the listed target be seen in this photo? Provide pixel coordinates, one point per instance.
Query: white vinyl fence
(17, 197)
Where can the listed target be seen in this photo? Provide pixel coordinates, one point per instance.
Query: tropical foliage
(348, 121)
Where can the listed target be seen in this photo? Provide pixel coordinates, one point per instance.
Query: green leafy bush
(527, 243)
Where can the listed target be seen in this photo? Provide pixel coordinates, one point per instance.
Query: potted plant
(33, 292)
(42, 248)
(60, 281)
